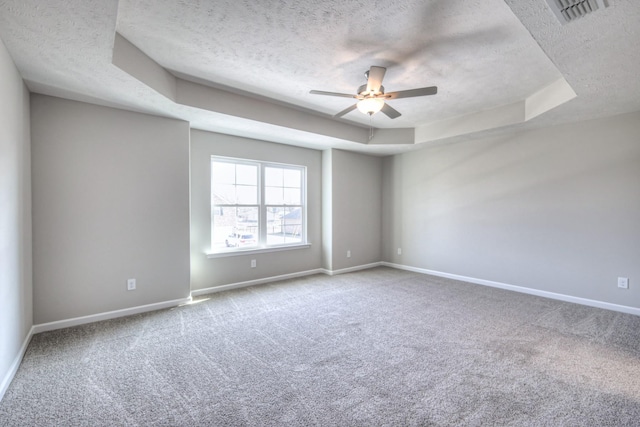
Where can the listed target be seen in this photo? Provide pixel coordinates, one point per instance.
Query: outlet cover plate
(623, 282)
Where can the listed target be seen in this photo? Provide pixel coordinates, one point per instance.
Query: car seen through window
(235, 240)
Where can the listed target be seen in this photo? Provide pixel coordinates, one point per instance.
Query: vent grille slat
(570, 10)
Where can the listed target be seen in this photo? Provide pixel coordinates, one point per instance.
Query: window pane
(224, 194)
(273, 196)
(247, 195)
(273, 177)
(234, 227)
(292, 196)
(292, 178)
(247, 174)
(223, 173)
(284, 225)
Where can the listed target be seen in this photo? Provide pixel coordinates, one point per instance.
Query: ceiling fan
(371, 97)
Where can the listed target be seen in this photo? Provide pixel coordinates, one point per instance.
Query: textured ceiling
(484, 56)
(282, 49)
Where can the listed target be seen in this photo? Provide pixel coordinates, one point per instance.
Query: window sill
(257, 250)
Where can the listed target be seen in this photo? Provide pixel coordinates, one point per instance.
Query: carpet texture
(380, 347)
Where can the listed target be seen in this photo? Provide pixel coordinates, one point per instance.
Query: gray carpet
(380, 347)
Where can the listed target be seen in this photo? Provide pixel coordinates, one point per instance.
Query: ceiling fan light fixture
(371, 96)
(370, 105)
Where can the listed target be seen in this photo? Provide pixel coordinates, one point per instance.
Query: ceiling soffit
(135, 62)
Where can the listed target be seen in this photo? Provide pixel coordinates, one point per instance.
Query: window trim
(262, 209)
(252, 251)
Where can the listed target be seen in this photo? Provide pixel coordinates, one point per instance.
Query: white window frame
(262, 245)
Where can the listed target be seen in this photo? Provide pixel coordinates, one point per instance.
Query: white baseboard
(248, 283)
(264, 280)
(521, 289)
(6, 381)
(351, 269)
(67, 323)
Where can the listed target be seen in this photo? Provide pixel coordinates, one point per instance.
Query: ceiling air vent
(570, 10)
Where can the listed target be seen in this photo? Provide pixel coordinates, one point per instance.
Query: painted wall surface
(555, 209)
(356, 210)
(15, 216)
(327, 209)
(211, 272)
(110, 202)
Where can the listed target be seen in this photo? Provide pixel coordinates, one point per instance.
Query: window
(256, 205)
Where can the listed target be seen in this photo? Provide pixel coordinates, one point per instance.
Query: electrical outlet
(399, 251)
(623, 282)
(253, 263)
(131, 284)
(348, 254)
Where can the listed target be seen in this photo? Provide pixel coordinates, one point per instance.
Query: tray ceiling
(499, 66)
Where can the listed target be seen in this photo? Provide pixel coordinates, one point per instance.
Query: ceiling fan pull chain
(370, 127)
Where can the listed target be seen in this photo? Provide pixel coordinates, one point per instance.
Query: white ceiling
(487, 58)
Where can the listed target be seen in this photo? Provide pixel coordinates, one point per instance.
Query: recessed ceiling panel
(478, 53)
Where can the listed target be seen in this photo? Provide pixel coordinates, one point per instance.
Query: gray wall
(556, 209)
(110, 202)
(15, 215)
(327, 209)
(355, 196)
(205, 272)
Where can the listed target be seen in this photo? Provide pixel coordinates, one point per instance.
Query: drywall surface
(15, 217)
(111, 202)
(555, 209)
(212, 272)
(327, 209)
(356, 209)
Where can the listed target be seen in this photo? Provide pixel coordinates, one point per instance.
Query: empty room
(329, 213)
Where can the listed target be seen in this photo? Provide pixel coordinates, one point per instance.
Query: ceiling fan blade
(321, 92)
(376, 74)
(423, 91)
(392, 113)
(346, 110)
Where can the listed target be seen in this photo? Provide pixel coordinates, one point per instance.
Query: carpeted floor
(381, 347)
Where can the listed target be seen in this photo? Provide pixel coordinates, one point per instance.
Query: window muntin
(256, 204)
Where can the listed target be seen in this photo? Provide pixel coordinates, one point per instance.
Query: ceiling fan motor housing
(362, 90)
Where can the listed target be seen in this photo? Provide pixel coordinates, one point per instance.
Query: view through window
(256, 204)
